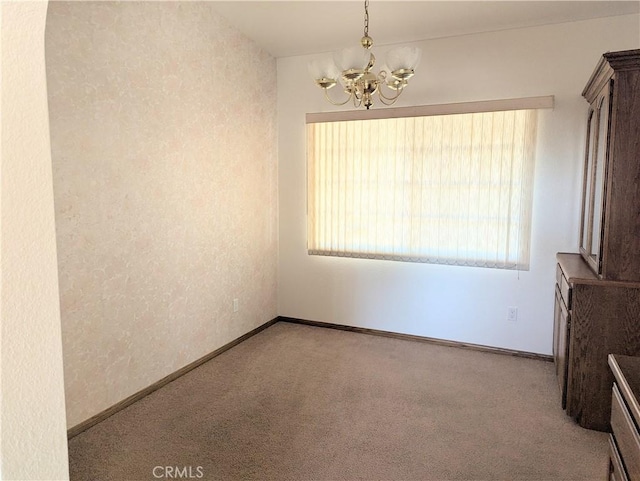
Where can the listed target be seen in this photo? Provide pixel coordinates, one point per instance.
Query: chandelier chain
(366, 18)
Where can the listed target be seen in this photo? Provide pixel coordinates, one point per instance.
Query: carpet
(298, 402)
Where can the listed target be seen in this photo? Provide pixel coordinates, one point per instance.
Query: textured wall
(33, 434)
(163, 132)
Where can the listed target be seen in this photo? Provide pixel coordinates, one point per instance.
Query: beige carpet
(306, 403)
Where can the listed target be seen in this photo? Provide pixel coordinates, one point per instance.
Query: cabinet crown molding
(609, 63)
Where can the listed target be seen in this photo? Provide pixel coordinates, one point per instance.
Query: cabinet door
(595, 180)
(561, 344)
(587, 184)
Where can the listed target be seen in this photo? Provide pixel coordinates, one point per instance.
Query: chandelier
(352, 68)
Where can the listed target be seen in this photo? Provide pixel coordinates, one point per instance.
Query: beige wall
(33, 433)
(163, 133)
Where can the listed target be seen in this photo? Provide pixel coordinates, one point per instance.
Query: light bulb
(353, 58)
(403, 57)
(323, 68)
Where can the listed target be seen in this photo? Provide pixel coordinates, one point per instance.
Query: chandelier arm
(326, 94)
(388, 102)
(383, 97)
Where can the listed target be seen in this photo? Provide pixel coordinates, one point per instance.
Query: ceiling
(286, 28)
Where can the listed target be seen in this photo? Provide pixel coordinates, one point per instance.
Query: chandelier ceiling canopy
(352, 68)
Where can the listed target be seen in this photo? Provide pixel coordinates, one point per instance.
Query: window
(448, 189)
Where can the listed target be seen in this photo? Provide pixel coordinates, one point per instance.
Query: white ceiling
(286, 28)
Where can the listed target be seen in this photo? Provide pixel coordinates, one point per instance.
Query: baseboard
(101, 416)
(92, 421)
(411, 337)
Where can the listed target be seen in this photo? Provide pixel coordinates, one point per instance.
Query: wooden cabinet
(624, 441)
(610, 227)
(593, 192)
(616, 471)
(562, 324)
(597, 300)
(593, 319)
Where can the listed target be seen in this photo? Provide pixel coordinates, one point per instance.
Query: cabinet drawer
(562, 301)
(616, 468)
(626, 435)
(563, 285)
(565, 290)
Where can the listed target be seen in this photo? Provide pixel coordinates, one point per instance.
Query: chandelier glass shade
(352, 69)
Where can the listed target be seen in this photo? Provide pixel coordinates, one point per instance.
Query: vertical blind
(448, 189)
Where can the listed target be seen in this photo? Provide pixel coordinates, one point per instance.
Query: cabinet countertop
(626, 371)
(577, 271)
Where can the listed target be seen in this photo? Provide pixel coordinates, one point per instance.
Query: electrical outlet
(512, 314)
(236, 305)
